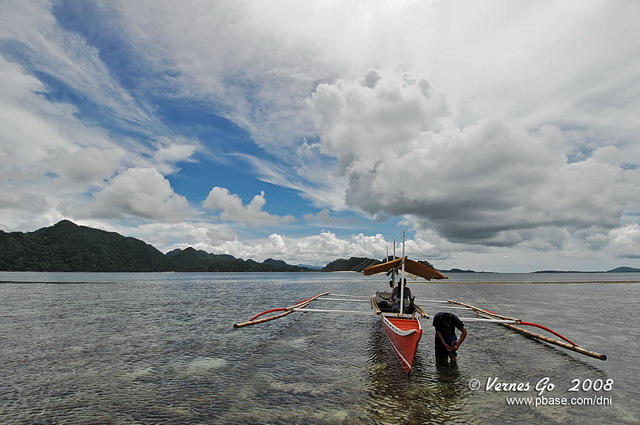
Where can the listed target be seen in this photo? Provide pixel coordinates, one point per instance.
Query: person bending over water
(447, 343)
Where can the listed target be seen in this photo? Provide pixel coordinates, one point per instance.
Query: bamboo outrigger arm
(374, 305)
(266, 319)
(285, 311)
(562, 344)
(421, 311)
(569, 345)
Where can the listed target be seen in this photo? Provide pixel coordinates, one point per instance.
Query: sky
(500, 135)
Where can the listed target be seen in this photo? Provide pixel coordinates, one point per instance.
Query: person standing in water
(447, 343)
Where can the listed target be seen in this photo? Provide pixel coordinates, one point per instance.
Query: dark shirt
(447, 330)
(397, 291)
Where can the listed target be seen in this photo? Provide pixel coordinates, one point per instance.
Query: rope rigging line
(478, 296)
(363, 265)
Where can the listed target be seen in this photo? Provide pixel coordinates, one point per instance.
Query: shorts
(450, 339)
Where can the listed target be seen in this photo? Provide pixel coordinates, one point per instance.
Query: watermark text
(579, 392)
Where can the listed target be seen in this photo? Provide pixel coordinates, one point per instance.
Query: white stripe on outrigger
(477, 319)
(317, 310)
(431, 301)
(348, 296)
(445, 308)
(350, 301)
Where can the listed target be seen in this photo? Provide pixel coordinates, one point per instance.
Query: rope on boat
(364, 264)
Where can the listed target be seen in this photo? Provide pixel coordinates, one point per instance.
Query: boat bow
(404, 335)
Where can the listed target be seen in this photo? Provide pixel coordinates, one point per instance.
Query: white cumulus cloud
(136, 192)
(233, 209)
(625, 241)
(491, 182)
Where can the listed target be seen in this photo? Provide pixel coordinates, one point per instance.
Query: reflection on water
(160, 349)
(422, 397)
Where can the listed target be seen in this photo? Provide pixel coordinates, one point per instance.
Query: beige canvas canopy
(413, 269)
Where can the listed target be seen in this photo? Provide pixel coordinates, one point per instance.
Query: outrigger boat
(399, 316)
(401, 320)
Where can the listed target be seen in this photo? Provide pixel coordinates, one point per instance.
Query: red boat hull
(404, 335)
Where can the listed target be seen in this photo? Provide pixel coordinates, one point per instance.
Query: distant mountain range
(67, 247)
(616, 270)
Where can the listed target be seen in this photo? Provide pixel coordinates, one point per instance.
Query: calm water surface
(160, 349)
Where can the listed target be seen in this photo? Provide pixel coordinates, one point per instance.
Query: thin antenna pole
(402, 279)
(393, 275)
(393, 271)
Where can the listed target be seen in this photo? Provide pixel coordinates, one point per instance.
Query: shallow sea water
(160, 349)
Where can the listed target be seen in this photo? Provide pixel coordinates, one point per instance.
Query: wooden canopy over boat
(411, 267)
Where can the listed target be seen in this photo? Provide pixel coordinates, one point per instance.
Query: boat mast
(393, 271)
(401, 279)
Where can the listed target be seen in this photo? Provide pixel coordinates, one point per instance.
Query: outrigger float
(401, 323)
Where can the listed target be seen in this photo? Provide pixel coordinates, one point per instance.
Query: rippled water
(160, 349)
